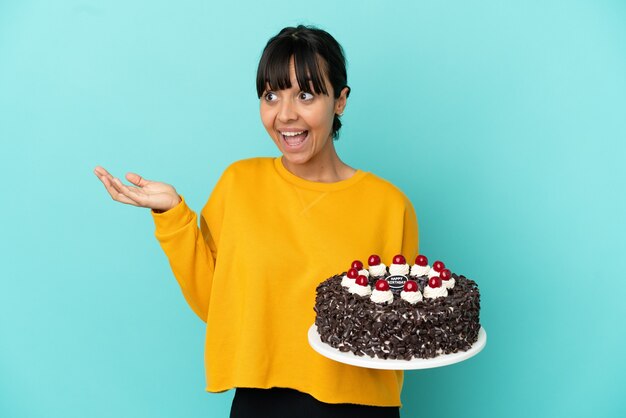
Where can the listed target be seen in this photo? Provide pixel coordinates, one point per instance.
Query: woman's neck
(324, 169)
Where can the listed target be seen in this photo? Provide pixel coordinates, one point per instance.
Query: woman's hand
(147, 194)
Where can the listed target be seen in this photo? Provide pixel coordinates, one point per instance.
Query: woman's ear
(341, 101)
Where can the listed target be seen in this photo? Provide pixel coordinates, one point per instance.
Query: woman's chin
(291, 159)
(296, 155)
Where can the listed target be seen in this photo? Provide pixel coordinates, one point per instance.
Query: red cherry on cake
(356, 264)
(445, 274)
(438, 266)
(374, 260)
(399, 259)
(421, 260)
(410, 286)
(434, 281)
(361, 280)
(382, 285)
(353, 273)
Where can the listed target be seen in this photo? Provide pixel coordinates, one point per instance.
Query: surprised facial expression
(300, 123)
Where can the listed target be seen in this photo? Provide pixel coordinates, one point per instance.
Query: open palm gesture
(143, 193)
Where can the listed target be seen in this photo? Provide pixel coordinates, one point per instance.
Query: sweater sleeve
(190, 249)
(189, 256)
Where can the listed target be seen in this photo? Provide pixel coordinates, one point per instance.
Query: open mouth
(294, 139)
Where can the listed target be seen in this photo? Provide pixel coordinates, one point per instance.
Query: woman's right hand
(145, 193)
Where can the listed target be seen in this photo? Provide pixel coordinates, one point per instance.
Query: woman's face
(300, 123)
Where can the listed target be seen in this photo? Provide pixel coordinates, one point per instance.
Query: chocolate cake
(417, 312)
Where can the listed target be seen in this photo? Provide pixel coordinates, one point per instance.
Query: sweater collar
(315, 185)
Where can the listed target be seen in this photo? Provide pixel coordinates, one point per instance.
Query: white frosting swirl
(411, 297)
(399, 269)
(435, 292)
(379, 270)
(364, 272)
(360, 290)
(381, 296)
(346, 281)
(448, 284)
(433, 273)
(417, 270)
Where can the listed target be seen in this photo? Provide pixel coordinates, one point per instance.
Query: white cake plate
(377, 363)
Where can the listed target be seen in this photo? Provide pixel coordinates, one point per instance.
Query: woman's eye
(305, 96)
(270, 96)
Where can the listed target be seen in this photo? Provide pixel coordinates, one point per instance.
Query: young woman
(271, 231)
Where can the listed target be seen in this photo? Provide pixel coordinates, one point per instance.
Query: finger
(115, 188)
(99, 170)
(122, 188)
(137, 179)
(108, 185)
(125, 199)
(115, 193)
(102, 174)
(134, 194)
(120, 193)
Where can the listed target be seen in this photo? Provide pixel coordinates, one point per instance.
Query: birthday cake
(398, 312)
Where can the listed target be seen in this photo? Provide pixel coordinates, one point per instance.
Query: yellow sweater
(267, 238)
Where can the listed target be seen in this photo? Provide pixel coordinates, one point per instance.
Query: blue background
(504, 122)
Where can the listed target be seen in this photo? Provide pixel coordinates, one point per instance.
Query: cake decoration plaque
(396, 283)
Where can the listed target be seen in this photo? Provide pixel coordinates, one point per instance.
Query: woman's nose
(287, 111)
